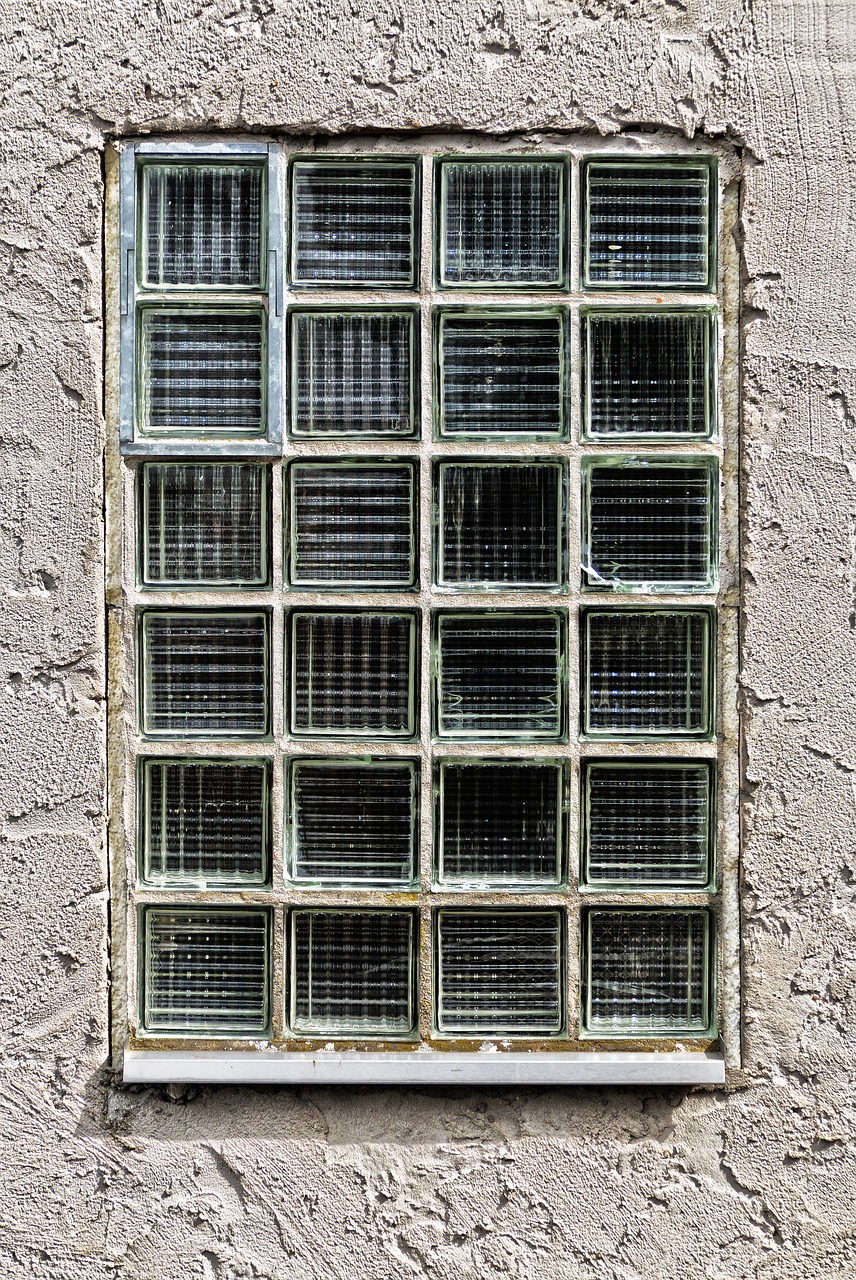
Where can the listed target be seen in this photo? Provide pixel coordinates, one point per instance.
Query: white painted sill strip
(417, 1068)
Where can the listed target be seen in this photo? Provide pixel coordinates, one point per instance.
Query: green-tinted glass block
(649, 375)
(354, 222)
(203, 524)
(500, 823)
(201, 373)
(353, 973)
(650, 524)
(206, 971)
(500, 373)
(204, 823)
(648, 673)
(502, 221)
(648, 825)
(202, 225)
(353, 674)
(352, 524)
(204, 674)
(649, 224)
(648, 972)
(499, 524)
(353, 822)
(499, 675)
(354, 373)
(499, 972)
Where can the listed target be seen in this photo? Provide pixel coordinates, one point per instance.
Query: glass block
(203, 524)
(500, 823)
(499, 972)
(202, 225)
(649, 525)
(648, 674)
(648, 824)
(353, 973)
(500, 524)
(353, 822)
(352, 524)
(500, 374)
(204, 674)
(648, 375)
(500, 675)
(204, 822)
(647, 972)
(353, 373)
(648, 225)
(502, 222)
(201, 373)
(353, 674)
(354, 222)
(206, 971)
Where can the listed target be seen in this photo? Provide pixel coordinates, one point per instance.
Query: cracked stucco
(317, 1184)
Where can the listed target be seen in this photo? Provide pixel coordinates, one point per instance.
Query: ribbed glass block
(500, 676)
(500, 823)
(206, 971)
(201, 373)
(648, 375)
(499, 972)
(502, 222)
(353, 822)
(202, 224)
(352, 524)
(353, 373)
(649, 525)
(500, 524)
(204, 822)
(500, 373)
(647, 824)
(353, 674)
(648, 224)
(647, 972)
(647, 673)
(354, 222)
(203, 523)
(352, 973)
(204, 674)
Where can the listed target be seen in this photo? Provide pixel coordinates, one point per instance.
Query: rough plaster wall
(320, 1184)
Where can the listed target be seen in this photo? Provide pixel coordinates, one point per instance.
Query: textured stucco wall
(318, 1184)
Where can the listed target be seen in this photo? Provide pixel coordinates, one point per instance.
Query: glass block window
(353, 972)
(354, 222)
(647, 824)
(500, 524)
(649, 524)
(352, 524)
(500, 373)
(647, 972)
(204, 524)
(353, 373)
(648, 225)
(648, 375)
(502, 222)
(426, 601)
(353, 821)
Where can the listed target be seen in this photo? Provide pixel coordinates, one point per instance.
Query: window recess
(425, 697)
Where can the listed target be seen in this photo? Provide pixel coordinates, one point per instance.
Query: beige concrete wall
(100, 1181)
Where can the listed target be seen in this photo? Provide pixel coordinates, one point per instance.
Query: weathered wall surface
(314, 1185)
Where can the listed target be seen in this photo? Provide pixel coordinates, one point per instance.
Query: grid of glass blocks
(649, 523)
(502, 221)
(647, 972)
(352, 524)
(392, 918)
(204, 524)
